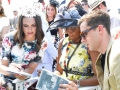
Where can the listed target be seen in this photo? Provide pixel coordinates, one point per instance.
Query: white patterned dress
(25, 55)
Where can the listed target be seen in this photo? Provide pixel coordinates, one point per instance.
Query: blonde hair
(55, 11)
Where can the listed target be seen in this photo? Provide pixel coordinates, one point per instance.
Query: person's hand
(39, 72)
(70, 86)
(17, 67)
(20, 77)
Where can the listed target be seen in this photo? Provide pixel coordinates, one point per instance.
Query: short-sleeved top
(4, 21)
(80, 65)
(28, 52)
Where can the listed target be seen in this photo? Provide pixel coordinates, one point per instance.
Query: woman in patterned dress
(22, 50)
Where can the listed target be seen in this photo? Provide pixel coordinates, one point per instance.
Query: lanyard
(69, 58)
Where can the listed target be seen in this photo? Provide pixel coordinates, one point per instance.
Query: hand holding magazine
(49, 81)
(19, 72)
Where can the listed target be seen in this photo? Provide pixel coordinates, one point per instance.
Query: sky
(113, 4)
(15, 4)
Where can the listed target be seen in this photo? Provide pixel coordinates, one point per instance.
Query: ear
(100, 27)
(101, 6)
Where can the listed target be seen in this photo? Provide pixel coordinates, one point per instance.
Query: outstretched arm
(59, 70)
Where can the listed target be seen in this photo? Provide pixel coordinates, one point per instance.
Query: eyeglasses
(85, 32)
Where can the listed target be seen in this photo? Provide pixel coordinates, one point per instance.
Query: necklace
(27, 47)
(69, 57)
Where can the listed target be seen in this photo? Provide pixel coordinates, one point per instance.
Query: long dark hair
(19, 36)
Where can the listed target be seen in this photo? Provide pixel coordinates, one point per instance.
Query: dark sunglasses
(85, 32)
(83, 4)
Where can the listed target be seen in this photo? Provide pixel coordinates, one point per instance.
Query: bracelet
(78, 83)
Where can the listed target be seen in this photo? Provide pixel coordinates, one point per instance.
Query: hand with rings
(70, 86)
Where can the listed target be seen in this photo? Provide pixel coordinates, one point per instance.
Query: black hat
(66, 18)
(54, 3)
(80, 10)
(41, 1)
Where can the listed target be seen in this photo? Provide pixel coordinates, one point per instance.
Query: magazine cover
(49, 81)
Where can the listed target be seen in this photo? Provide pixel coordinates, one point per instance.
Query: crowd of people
(77, 40)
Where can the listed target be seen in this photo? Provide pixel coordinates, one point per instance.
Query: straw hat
(94, 3)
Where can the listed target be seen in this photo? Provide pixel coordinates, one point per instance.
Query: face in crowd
(15, 13)
(30, 28)
(50, 11)
(72, 3)
(73, 33)
(93, 27)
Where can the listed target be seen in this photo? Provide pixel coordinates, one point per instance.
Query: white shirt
(115, 20)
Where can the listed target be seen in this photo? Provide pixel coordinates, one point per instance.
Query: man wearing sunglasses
(101, 5)
(85, 5)
(95, 28)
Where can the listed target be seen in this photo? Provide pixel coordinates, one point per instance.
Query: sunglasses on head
(85, 32)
